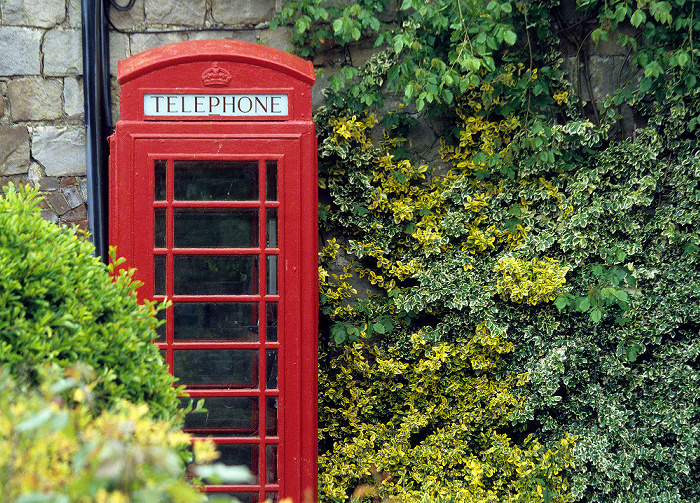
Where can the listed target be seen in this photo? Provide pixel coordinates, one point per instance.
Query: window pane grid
(253, 441)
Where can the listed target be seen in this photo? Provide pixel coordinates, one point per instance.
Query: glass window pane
(272, 497)
(271, 180)
(159, 232)
(224, 416)
(272, 228)
(160, 183)
(234, 368)
(216, 274)
(271, 462)
(216, 320)
(216, 181)
(271, 416)
(159, 262)
(239, 455)
(272, 274)
(216, 228)
(271, 381)
(271, 335)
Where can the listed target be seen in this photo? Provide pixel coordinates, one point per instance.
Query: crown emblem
(215, 76)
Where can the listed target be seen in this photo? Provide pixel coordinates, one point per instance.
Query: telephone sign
(213, 199)
(227, 105)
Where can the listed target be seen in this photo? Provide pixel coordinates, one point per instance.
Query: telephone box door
(219, 233)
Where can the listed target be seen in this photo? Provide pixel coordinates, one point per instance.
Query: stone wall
(42, 132)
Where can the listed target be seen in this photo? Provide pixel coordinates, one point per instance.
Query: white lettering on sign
(226, 105)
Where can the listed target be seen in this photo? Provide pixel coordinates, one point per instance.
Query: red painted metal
(279, 433)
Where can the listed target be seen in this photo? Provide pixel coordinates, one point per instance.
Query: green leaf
(596, 315)
(621, 295)
(682, 57)
(226, 474)
(560, 302)
(379, 328)
(51, 497)
(36, 421)
(638, 17)
(584, 305)
(510, 37)
(63, 385)
(653, 69)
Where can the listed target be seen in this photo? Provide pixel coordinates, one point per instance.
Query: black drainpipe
(98, 117)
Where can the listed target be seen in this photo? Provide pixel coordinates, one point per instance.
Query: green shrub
(59, 303)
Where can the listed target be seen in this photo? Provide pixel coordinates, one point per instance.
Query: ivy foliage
(426, 426)
(540, 227)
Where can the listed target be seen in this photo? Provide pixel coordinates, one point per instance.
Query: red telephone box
(213, 199)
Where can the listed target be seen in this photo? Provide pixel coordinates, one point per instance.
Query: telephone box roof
(215, 50)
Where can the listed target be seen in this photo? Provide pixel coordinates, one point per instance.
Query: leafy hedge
(575, 244)
(54, 449)
(58, 303)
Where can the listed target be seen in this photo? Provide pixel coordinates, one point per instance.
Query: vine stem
(690, 34)
(532, 62)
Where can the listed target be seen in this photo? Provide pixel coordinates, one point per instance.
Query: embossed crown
(216, 76)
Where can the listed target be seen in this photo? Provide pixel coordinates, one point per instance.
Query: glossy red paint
(215, 206)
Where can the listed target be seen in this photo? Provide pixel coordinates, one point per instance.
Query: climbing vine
(518, 320)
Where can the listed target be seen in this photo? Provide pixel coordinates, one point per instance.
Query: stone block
(361, 52)
(66, 181)
(118, 49)
(35, 99)
(249, 35)
(317, 91)
(63, 53)
(75, 13)
(390, 12)
(44, 14)
(75, 215)
(73, 196)
(49, 215)
(114, 93)
(279, 38)
(73, 97)
(60, 149)
(575, 73)
(143, 41)
(130, 19)
(16, 180)
(49, 183)
(612, 47)
(611, 73)
(57, 202)
(176, 12)
(35, 174)
(242, 12)
(14, 150)
(20, 49)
